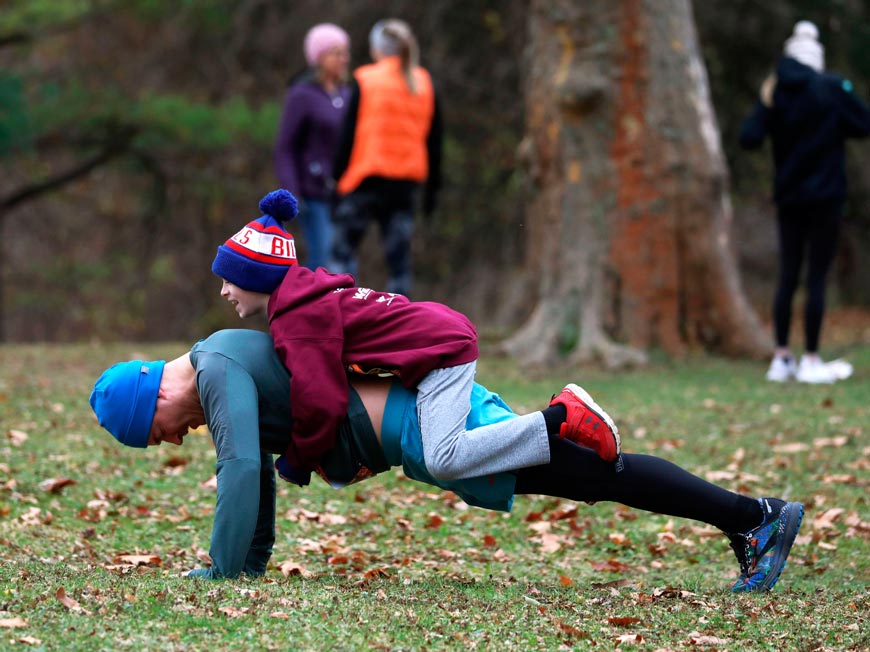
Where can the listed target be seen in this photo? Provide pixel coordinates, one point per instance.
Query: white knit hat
(804, 46)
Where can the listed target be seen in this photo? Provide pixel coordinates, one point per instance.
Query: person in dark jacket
(390, 148)
(324, 325)
(808, 115)
(314, 109)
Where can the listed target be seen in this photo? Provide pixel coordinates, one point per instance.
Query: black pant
(811, 229)
(391, 205)
(646, 482)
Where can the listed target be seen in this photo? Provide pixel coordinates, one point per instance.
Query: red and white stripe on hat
(266, 244)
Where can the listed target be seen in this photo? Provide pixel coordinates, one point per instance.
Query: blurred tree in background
(136, 135)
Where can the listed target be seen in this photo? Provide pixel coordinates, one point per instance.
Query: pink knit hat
(322, 38)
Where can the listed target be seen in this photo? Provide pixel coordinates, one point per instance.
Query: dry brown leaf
(696, 638)
(489, 541)
(623, 621)
(610, 566)
(550, 542)
(279, 614)
(619, 539)
(570, 630)
(565, 581)
(30, 640)
(139, 560)
(374, 573)
(289, 568)
(794, 447)
(234, 612)
(210, 484)
(434, 521)
(55, 485)
(836, 442)
(68, 602)
(629, 639)
(9, 623)
(17, 437)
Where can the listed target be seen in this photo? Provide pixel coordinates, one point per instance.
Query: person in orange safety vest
(390, 148)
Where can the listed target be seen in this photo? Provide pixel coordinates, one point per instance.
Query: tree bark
(629, 212)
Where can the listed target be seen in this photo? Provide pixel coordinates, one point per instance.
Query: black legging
(813, 228)
(646, 482)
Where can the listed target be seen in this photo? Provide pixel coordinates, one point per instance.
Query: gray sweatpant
(451, 452)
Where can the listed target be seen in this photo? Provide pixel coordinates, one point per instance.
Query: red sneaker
(587, 424)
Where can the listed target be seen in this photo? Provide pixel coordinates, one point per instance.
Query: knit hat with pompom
(257, 257)
(804, 46)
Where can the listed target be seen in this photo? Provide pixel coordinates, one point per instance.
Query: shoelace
(740, 544)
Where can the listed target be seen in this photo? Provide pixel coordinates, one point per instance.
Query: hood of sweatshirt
(301, 286)
(792, 73)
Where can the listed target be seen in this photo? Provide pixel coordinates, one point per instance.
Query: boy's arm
(318, 394)
(243, 514)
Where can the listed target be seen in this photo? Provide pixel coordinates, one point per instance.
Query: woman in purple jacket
(314, 109)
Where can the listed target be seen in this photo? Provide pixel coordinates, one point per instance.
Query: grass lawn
(94, 536)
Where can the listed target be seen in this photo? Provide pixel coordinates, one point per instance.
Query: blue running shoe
(762, 552)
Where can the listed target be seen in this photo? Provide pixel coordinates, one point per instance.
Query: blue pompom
(280, 204)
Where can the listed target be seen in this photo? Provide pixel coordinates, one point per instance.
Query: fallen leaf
(489, 541)
(623, 621)
(234, 612)
(13, 622)
(289, 568)
(696, 638)
(30, 640)
(374, 573)
(139, 560)
(565, 581)
(795, 447)
(434, 521)
(17, 437)
(610, 566)
(55, 485)
(550, 542)
(570, 630)
(210, 484)
(68, 602)
(629, 639)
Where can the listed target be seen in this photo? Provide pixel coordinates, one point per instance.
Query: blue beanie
(124, 399)
(257, 257)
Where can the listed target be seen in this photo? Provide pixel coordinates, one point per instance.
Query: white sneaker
(813, 370)
(782, 369)
(840, 368)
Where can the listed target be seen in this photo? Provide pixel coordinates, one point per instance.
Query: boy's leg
(452, 452)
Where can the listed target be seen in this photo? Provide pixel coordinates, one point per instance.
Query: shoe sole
(792, 525)
(583, 395)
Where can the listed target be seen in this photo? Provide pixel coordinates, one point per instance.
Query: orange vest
(392, 125)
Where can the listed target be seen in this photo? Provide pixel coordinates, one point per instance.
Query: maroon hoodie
(323, 326)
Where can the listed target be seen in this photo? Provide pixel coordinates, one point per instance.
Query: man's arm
(244, 512)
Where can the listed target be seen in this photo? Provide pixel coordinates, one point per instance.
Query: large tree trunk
(629, 213)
